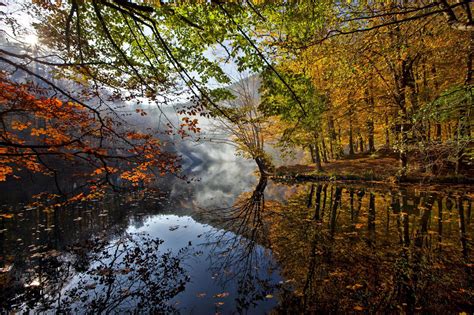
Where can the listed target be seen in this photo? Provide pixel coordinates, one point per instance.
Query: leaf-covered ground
(375, 167)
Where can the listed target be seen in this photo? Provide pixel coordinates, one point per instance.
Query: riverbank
(369, 168)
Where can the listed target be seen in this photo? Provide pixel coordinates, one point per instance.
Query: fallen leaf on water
(201, 295)
(358, 308)
(221, 295)
(355, 286)
(336, 274)
(6, 269)
(269, 296)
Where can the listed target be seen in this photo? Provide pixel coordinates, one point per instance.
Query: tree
(65, 105)
(243, 120)
(373, 60)
(368, 68)
(37, 132)
(304, 113)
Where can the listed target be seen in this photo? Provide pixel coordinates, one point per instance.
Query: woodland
(97, 97)
(337, 79)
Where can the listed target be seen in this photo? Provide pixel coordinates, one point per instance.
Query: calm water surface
(233, 243)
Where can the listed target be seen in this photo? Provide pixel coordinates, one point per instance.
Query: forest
(316, 156)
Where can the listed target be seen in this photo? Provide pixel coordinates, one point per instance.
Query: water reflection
(316, 247)
(348, 248)
(102, 276)
(37, 247)
(239, 251)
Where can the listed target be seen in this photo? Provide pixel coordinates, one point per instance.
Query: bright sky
(23, 34)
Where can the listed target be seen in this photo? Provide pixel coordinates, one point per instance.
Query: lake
(227, 241)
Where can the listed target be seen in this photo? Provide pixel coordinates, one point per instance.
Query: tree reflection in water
(103, 276)
(373, 250)
(239, 247)
(346, 248)
(336, 248)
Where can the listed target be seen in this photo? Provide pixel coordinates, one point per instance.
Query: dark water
(234, 243)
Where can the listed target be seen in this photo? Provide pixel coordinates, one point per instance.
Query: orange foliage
(37, 132)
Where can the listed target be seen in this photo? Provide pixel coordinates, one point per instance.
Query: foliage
(38, 131)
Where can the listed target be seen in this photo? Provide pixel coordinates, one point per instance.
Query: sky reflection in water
(234, 242)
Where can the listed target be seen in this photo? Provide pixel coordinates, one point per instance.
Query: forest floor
(381, 167)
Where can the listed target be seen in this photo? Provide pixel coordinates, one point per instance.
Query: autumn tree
(242, 118)
(302, 113)
(95, 56)
(39, 131)
(381, 66)
(352, 74)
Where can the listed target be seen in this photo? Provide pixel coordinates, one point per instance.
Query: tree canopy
(339, 77)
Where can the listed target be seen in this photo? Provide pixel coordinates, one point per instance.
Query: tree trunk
(351, 140)
(370, 121)
(324, 150)
(470, 61)
(361, 143)
(332, 136)
(428, 133)
(403, 154)
(262, 167)
(370, 136)
(438, 132)
(317, 156)
(339, 148)
(401, 95)
(311, 151)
